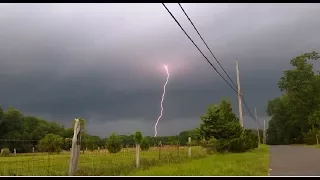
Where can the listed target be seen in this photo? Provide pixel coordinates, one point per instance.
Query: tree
(145, 145)
(220, 122)
(290, 113)
(184, 135)
(138, 137)
(13, 126)
(2, 123)
(114, 143)
(51, 143)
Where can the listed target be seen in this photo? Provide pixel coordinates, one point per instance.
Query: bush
(223, 145)
(145, 145)
(310, 137)
(51, 143)
(211, 145)
(5, 152)
(237, 145)
(248, 140)
(114, 143)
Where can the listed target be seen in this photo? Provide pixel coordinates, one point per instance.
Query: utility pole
(264, 131)
(255, 111)
(239, 95)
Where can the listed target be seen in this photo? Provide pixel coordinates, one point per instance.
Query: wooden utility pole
(255, 112)
(239, 95)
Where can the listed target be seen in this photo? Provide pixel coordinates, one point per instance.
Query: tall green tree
(301, 98)
(220, 122)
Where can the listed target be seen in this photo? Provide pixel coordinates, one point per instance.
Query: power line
(246, 106)
(198, 47)
(206, 44)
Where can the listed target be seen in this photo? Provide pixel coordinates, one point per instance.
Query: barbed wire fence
(25, 158)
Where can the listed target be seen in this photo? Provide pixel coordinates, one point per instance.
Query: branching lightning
(164, 93)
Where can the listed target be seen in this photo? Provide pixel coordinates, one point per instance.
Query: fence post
(189, 148)
(98, 149)
(15, 151)
(178, 148)
(75, 150)
(160, 150)
(202, 145)
(33, 149)
(137, 155)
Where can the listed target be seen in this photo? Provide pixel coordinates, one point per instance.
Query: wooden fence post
(189, 148)
(15, 151)
(160, 144)
(137, 155)
(75, 150)
(317, 139)
(33, 149)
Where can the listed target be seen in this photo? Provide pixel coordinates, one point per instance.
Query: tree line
(295, 115)
(26, 133)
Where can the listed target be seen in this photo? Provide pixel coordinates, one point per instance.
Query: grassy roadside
(253, 163)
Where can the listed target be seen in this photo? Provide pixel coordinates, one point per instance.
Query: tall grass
(92, 163)
(252, 163)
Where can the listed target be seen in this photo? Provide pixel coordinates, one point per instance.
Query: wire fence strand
(26, 159)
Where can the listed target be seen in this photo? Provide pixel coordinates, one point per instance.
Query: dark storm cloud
(104, 61)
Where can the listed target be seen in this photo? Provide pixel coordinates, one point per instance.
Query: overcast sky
(104, 62)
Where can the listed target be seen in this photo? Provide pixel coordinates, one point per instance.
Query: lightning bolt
(164, 93)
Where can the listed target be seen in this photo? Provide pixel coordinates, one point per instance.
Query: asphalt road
(294, 161)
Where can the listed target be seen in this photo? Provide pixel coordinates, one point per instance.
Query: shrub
(310, 137)
(248, 140)
(223, 145)
(5, 152)
(237, 145)
(51, 143)
(211, 145)
(114, 143)
(145, 145)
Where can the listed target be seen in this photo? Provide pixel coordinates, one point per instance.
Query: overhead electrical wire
(246, 106)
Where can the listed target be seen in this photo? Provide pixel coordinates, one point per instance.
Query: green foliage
(220, 122)
(310, 137)
(145, 145)
(114, 143)
(67, 144)
(138, 137)
(5, 152)
(184, 135)
(296, 111)
(248, 140)
(223, 145)
(211, 145)
(51, 143)
(222, 128)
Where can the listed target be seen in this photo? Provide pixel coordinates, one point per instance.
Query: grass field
(253, 163)
(171, 162)
(92, 163)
